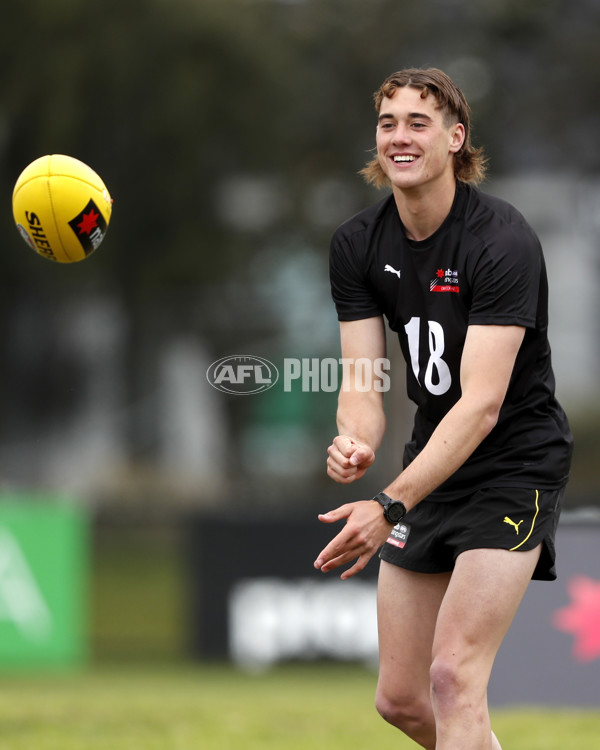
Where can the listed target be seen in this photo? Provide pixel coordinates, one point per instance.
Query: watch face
(395, 512)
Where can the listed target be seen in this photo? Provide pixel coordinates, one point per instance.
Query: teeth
(404, 158)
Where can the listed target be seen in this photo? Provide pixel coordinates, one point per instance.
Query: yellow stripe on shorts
(537, 510)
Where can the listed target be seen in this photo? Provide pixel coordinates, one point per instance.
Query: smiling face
(415, 142)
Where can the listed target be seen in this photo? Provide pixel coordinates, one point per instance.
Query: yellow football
(61, 208)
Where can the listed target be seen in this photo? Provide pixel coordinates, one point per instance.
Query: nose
(401, 134)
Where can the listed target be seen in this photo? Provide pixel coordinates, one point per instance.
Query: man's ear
(457, 138)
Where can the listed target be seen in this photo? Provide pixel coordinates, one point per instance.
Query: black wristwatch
(393, 510)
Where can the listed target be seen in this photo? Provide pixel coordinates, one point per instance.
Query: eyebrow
(411, 116)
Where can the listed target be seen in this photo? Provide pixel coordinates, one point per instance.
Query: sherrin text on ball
(61, 207)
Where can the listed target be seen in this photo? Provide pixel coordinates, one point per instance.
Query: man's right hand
(348, 460)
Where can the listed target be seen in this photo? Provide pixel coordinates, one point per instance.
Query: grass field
(218, 708)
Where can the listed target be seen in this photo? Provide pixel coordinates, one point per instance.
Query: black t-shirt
(483, 266)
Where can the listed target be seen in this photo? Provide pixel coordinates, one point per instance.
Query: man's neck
(424, 209)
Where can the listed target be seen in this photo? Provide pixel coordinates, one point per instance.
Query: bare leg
(408, 605)
(485, 590)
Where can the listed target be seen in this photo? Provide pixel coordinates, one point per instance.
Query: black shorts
(432, 535)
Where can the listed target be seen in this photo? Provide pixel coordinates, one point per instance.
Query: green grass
(218, 708)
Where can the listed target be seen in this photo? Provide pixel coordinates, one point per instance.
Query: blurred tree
(168, 99)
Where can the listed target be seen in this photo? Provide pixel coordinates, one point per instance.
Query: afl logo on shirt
(444, 281)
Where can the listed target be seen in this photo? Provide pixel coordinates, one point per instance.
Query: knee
(411, 714)
(450, 683)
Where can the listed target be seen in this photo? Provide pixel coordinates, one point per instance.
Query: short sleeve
(506, 279)
(350, 288)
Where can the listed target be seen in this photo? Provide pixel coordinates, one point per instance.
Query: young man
(471, 517)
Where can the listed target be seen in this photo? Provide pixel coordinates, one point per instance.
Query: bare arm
(360, 415)
(487, 363)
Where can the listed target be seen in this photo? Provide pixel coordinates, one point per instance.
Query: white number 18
(435, 362)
